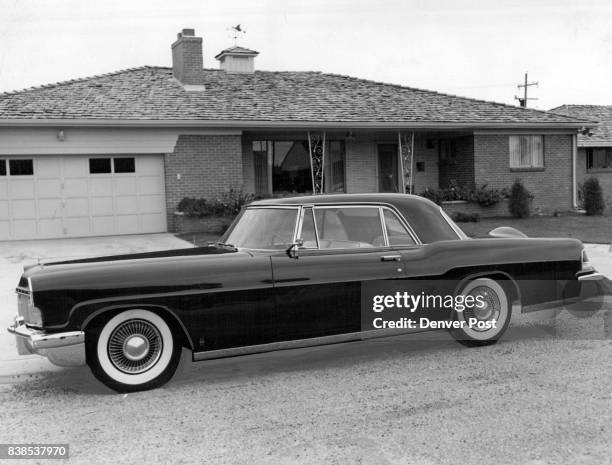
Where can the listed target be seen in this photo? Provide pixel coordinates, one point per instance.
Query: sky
(474, 48)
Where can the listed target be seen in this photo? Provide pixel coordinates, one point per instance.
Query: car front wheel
(134, 350)
(484, 322)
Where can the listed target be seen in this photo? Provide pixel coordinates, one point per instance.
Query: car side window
(309, 234)
(349, 227)
(396, 231)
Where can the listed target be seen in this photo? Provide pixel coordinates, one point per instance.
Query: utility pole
(524, 99)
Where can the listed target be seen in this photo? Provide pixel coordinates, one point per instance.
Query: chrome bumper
(62, 349)
(594, 276)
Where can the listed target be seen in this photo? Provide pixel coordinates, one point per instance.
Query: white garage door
(71, 196)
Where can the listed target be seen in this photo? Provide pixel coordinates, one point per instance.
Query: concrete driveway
(14, 255)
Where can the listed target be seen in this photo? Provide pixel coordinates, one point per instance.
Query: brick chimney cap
(186, 33)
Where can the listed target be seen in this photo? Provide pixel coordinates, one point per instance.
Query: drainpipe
(574, 156)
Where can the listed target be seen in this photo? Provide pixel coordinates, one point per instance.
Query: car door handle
(390, 258)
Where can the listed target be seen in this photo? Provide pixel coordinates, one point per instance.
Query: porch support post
(411, 159)
(401, 157)
(311, 167)
(574, 156)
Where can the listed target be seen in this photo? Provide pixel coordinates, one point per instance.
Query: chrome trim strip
(595, 276)
(300, 343)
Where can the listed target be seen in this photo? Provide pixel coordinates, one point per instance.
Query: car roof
(398, 200)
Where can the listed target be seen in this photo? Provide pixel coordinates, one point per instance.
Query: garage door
(72, 196)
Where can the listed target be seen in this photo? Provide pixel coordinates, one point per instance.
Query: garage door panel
(4, 210)
(50, 208)
(23, 209)
(101, 186)
(21, 188)
(50, 227)
(48, 168)
(76, 207)
(126, 185)
(49, 188)
(149, 165)
(101, 206)
(75, 167)
(127, 224)
(3, 189)
(77, 226)
(5, 230)
(153, 222)
(150, 185)
(76, 187)
(126, 205)
(24, 229)
(151, 204)
(103, 225)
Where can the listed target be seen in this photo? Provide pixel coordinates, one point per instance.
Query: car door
(319, 293)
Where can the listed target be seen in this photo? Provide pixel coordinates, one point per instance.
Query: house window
(2, 167)
(599, 158)
(21, 167)
(124, 165)
(526, 151)
(283, 167)
(99, 165)
(103, 165)
(291, 171)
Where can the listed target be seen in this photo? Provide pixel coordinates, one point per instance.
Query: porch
(283, 163)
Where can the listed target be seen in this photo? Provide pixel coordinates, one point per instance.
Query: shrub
(230, 205)
(483, 196)
(592, 197)
(519, 200)
(461, 217)
(486, 196)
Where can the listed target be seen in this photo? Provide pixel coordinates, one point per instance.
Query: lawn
(594, 229)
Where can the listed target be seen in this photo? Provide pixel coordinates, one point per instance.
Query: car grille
(23, 304)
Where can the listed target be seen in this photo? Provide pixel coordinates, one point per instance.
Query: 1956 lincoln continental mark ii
(288, 273)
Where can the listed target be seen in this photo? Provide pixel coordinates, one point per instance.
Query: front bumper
(62, 349)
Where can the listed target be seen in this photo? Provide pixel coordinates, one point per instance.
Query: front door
(387, 168)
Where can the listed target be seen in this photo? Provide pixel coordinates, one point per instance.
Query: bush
(483, 196)
(592, 197)
(230, 205)
(461, 217)
(519, 203)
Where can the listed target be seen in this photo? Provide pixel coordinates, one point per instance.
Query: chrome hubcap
(489, 309)
(135, 346)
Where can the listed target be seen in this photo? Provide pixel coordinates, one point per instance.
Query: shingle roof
(602, 133)
(152, 94)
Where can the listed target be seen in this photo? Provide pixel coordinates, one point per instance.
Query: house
(595, 146)
(115, 153)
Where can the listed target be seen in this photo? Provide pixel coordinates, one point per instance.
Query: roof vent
(237, 60)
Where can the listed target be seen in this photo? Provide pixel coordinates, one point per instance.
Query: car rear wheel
(484, 322)
(134, 350)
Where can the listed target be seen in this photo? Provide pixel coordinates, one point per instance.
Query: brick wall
(461, 168)
(605, 178)
(429, 157)
(551, 186)
(209, 166)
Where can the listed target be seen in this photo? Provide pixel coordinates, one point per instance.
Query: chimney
(187, 62)
(237, 60)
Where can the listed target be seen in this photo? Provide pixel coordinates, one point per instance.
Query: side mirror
(292, 251)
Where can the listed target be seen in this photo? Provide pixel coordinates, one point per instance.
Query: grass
(593, 229)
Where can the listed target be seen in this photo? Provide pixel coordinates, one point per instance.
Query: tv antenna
(523, 100)
(236, 32)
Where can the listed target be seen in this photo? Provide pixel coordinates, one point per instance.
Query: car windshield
(263, 228)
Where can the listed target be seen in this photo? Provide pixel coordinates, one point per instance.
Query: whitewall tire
(134, 350)
(483, 324)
